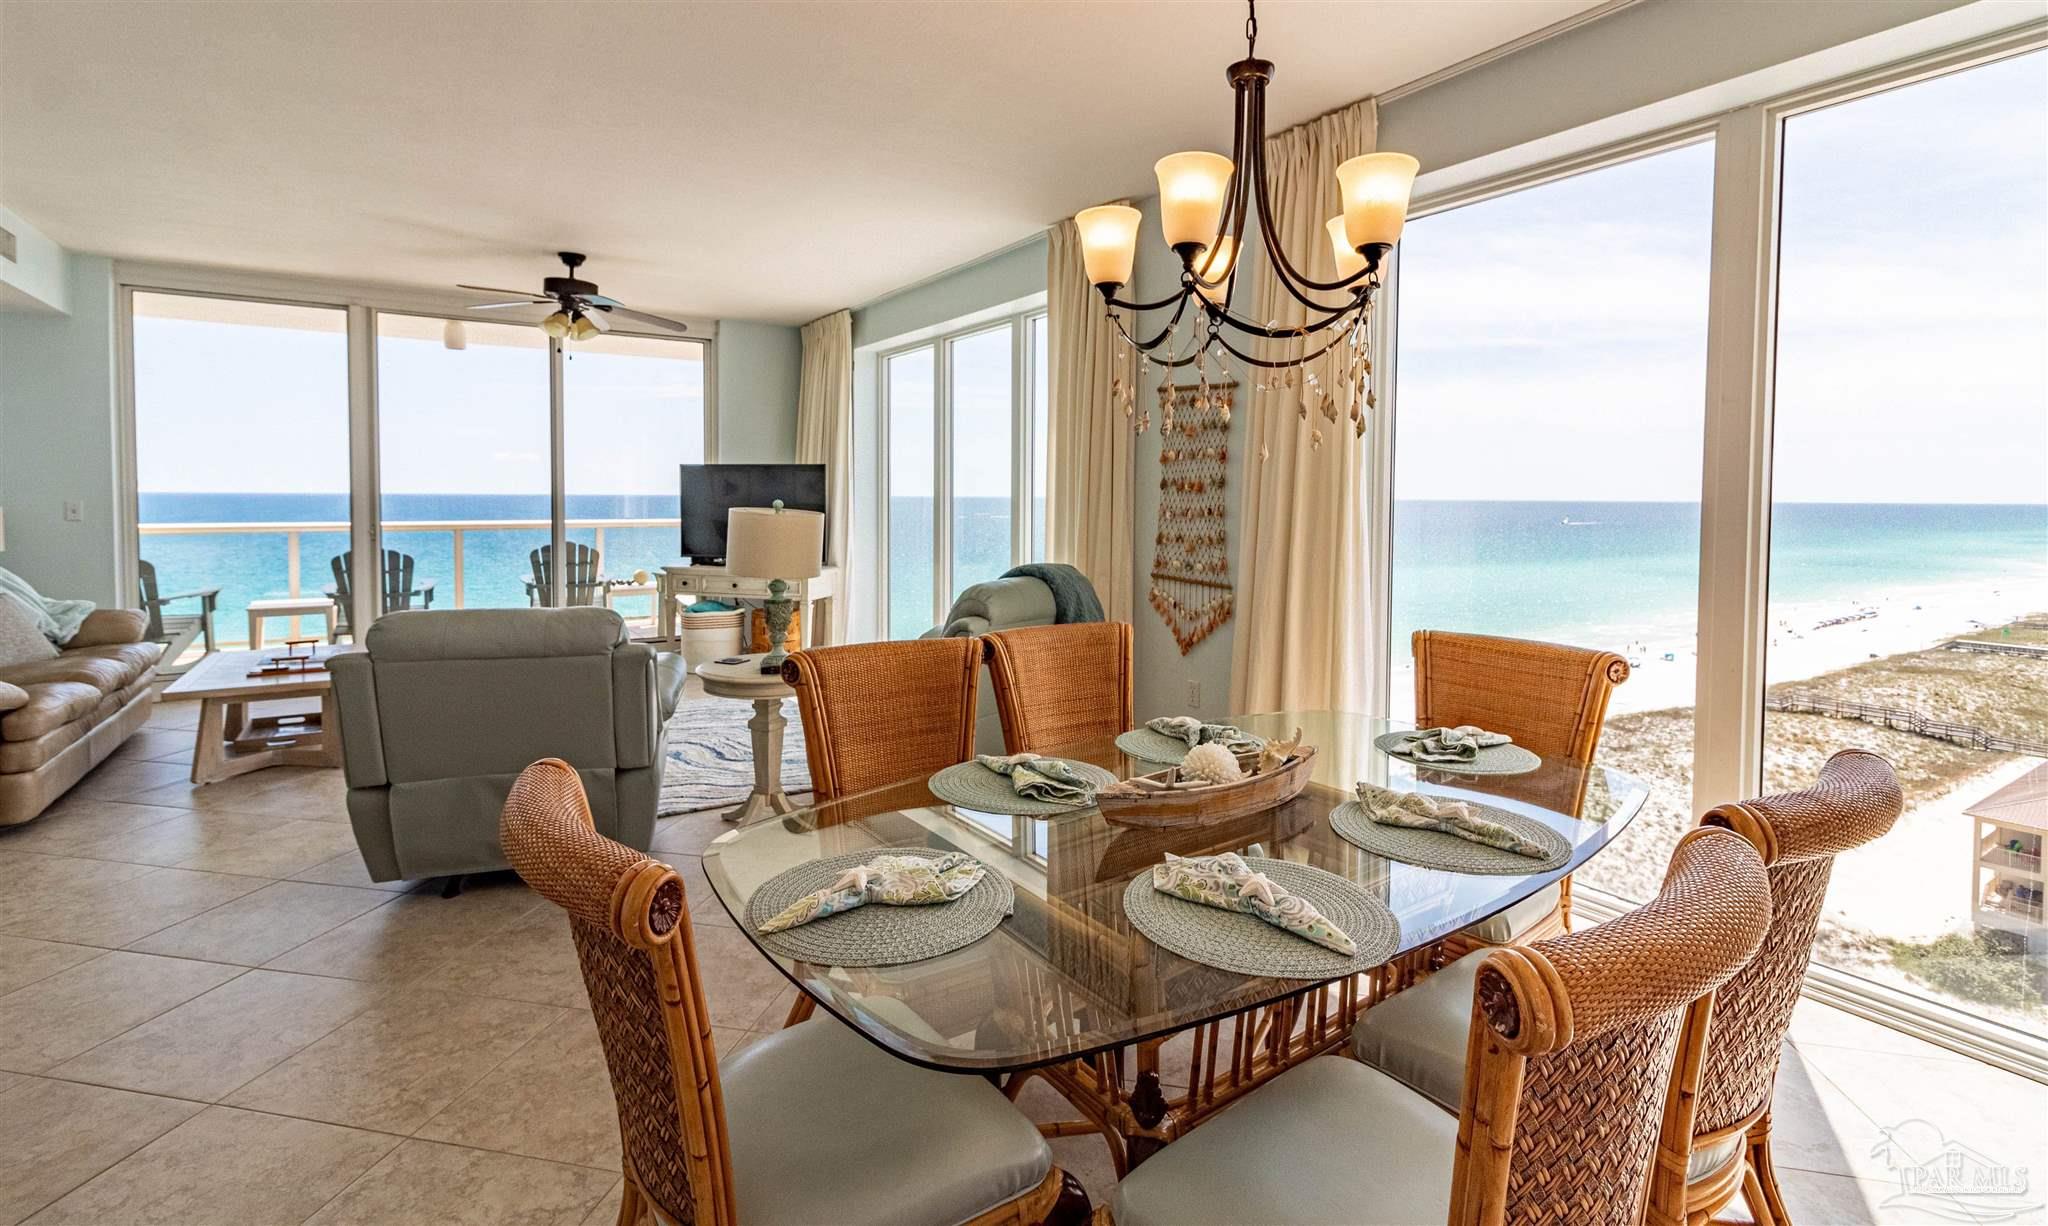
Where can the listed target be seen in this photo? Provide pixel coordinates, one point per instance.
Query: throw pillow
(20, 641)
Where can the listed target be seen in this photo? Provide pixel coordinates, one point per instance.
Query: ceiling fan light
(1109, 242)
(1217, 265)
(454, 335)
(1349, 262)
(582, 329)
(1375, 189)
(1191, 192)
(556, 325)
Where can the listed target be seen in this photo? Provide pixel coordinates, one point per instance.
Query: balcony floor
(208, 1012)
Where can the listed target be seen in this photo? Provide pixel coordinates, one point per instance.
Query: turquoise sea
(1607, 573)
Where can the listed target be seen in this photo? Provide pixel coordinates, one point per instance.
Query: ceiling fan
(580, 311)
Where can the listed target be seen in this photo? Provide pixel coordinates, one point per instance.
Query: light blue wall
(759, 366)
(57, 436)
(1005, 276)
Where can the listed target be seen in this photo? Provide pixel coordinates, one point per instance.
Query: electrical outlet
(1194, 695)
(74, 511)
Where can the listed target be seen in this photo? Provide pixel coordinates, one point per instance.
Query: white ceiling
(766, 161)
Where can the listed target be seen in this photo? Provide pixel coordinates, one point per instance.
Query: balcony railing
(499, 545)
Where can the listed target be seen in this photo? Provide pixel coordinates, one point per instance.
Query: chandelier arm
(1164, 332)
(1179, 296)
(1330, 320)
(1235, 208)
(1296, 284)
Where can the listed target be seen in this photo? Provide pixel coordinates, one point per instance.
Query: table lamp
(778, 545)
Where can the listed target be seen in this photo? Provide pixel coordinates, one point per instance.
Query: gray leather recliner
(999, 604)
(443, 708)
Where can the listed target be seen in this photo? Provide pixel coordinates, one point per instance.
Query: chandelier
(1205, 202)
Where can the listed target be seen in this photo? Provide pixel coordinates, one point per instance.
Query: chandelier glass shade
(1206, 204)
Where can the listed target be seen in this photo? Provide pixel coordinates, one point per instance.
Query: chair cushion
(671, 671)
(1327, 1141)
(1000, 604)
(826, 1127)
(1508, 926)
(51, 705)
(1710, 1158)
(493, 634)
(107, 669)
(105, 627)
(1418, 1036)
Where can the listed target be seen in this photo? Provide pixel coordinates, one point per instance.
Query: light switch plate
(74, 511)
(1194, 695)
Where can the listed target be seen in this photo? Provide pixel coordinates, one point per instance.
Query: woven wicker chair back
(631, 926)
(880, 713)
(1855, 800)
(1552, 699)
(1058, 685)
(1573, 1041)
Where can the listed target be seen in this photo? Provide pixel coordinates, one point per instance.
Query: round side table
(745, 681)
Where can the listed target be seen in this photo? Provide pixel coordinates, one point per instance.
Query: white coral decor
(1211, 762)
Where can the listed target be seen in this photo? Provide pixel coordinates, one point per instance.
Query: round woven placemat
(876, 935)
(1248, 945)
(1149, 746)
(1494, 760)
(1435, 849)
(974, 786)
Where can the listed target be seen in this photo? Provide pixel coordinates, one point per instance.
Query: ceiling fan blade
(529, 295)
(642, 316)
(598, 320)
(599, 300)
(499, 306)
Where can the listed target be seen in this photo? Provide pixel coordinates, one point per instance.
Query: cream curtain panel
(1303, 637)
(824, 435)
(1089, 507)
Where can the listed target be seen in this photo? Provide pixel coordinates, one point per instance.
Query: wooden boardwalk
(1901, 720)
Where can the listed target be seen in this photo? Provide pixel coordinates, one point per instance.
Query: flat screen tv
(711, 490)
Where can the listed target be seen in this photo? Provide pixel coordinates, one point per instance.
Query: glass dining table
(1065, 988)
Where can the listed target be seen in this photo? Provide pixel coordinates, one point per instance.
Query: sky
(1553, 342)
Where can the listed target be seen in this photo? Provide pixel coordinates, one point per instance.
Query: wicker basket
(1219, 803)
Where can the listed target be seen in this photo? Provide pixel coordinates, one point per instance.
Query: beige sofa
(60, 718)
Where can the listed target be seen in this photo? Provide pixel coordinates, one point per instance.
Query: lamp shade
(774, 543)
(1349, 262)
(1375, 189)
(454, 335)
(1217, 264)
(1191, 191)
(1109, 242)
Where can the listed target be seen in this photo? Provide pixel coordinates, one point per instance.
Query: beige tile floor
(209, 1015)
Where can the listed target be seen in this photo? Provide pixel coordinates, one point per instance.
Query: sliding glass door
(964, 464)
(1908, 608)
(1547, 449)
(241, 452)
(463, 459)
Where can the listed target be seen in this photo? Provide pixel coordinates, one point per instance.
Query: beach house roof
(2023, 802)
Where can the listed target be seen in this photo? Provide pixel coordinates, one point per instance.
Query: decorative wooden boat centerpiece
(1211, 785)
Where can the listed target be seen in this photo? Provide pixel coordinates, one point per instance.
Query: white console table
(717, 583)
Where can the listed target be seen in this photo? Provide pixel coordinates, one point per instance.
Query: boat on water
(1569, 522)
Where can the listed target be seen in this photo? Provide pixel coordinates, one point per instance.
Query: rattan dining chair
(810, 1124)
(1058, 685)
(1552, 699)
(1719, 1142)
(879, 713)
(1570, 1048)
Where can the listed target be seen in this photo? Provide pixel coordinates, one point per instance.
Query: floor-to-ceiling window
(463, 457)
(633, 412)
(1551, 365)
(964, 415)
(242, 460)
(1908, 606)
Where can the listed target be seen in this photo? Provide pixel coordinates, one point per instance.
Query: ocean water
(1599, 573)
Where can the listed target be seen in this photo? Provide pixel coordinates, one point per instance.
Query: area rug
(711, 755)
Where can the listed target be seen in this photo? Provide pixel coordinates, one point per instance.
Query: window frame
(1023, 388)
(1735, 484)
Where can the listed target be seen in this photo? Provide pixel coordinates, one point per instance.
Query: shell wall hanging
(1191, 556)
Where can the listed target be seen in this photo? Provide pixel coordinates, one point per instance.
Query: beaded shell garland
(1191, 589)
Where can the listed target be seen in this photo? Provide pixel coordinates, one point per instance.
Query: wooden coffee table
(230, 742)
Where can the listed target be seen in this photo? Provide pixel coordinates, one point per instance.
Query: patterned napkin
(1228, 883)
(1416, 811)
(1459, 744)
(1037, 778)
(893, 881)
(1195, 732)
